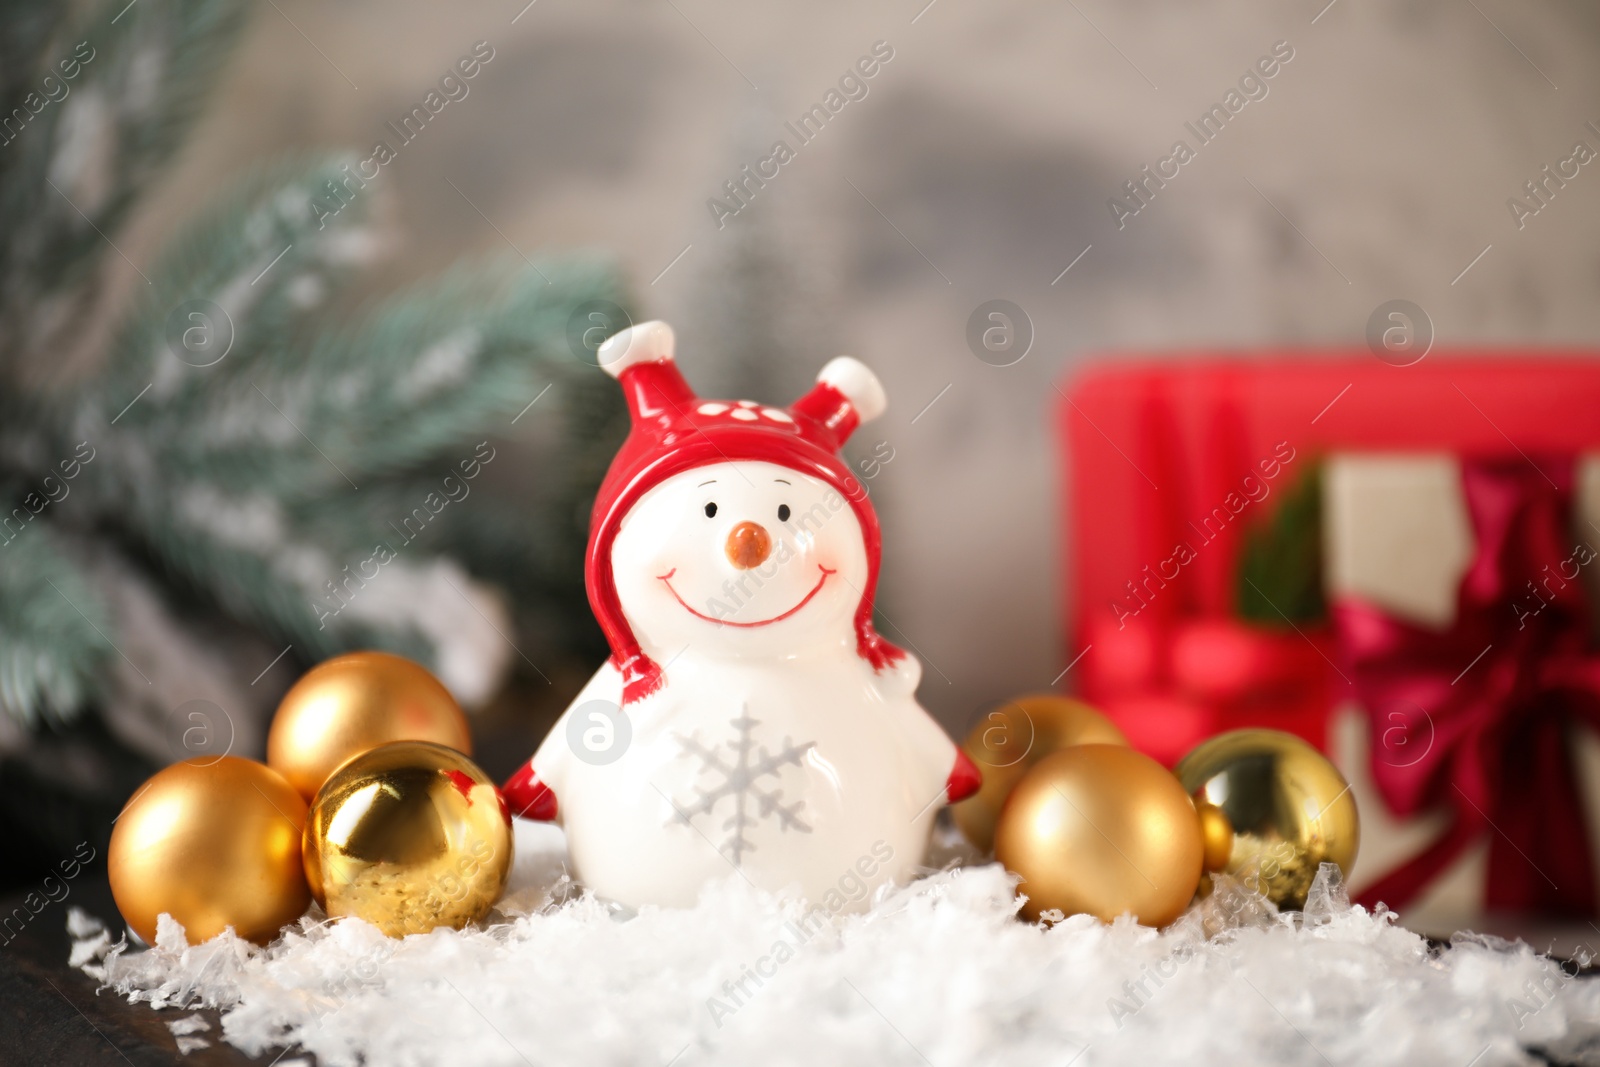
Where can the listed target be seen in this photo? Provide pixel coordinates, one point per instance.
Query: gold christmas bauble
(213, 842)
(1008, 741)
(409, 836)
(1102, 830)
(353, 703)
(1289, 808)
(1216, 832)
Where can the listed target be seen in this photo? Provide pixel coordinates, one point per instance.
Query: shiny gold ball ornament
(409, 836)
(1216, 832)
(1101, 830)
(213, 842)
(1289, 808)
(1010, 739)
(353, 703)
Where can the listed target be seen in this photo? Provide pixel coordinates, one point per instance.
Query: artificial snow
(184, 1031)
(937, 973)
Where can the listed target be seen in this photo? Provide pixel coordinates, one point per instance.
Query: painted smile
(821, 581)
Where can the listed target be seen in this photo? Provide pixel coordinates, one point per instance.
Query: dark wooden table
(51, 1014)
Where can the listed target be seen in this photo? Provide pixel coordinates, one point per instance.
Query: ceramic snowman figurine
(749, 718)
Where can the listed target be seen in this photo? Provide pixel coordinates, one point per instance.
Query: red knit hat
(675, 430)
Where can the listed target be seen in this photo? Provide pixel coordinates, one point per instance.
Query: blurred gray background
(978, 166)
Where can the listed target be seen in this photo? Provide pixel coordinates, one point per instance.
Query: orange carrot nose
(748, 545)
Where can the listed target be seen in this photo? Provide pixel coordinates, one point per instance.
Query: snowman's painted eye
(783, 512)
(711, 510)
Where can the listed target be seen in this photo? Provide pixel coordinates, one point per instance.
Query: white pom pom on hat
(858, 385)
(648, 342)
(654, 342)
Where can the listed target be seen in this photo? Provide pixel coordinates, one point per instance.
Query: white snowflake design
(736, 767)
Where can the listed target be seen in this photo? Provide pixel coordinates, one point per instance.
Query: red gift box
(1171, 461)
